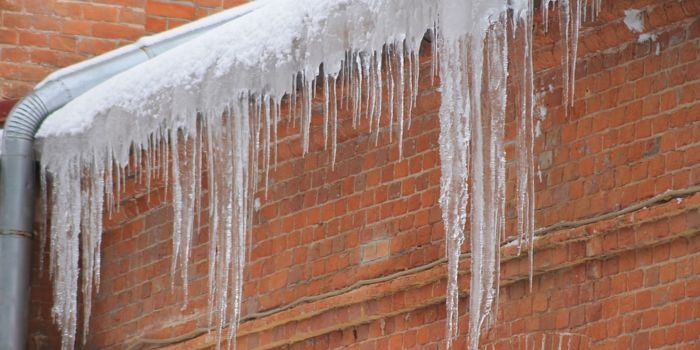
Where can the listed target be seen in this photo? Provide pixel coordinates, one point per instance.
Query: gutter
(17, 160)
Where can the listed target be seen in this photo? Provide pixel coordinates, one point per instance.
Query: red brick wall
(350, 257)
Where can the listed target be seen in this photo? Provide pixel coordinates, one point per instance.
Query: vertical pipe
(16, 218)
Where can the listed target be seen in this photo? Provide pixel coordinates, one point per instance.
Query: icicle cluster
(213, 106)
(571, 13)
(474, 70)
(473, 50)
(214, 117)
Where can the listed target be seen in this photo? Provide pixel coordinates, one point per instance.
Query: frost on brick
(211, 108)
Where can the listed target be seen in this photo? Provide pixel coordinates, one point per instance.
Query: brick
(11, 54)
(33, 21)
(170, 10)
(22, 72)
(154, 24)
(103, 13)
(33, 39)
(8, 36)
(115, 31)
(132, 16)
(62, 43)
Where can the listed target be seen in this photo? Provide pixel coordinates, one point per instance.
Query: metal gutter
(17, 161)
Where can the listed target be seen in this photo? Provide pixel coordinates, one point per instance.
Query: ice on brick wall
(216, 103)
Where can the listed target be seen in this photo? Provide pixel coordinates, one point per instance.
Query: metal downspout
(17, 161)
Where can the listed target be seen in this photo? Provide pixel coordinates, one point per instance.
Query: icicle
(366, 68)
(401, 95)
(560, 341)
(267, 142)
(334, 140)
(525, 139)
(277, 112)
(191, 162)
(214, 136)
(570, 22)
(471, 145)
(165, 160)
(455, 138)
(374, 92)
(435, 51)
(392, 91)
(309, 87)
(149, 168)
(498, 72)
(414, 72)
(326, 101)
(178, 210)
(545, 13)
(357, 91)
(293, 99)
(380, 94)
(43, 213)
(197, 177)
(65, 243)
(344, 80)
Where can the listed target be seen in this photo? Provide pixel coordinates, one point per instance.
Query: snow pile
(634, 20)
(215, 104)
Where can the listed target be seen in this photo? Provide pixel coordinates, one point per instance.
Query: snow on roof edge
(268, 51)
(213, 20)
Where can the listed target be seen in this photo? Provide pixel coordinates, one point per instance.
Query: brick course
(350, 256)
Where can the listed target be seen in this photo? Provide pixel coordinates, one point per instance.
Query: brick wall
(351, 256)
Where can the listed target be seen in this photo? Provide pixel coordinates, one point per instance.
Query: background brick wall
(350, 256)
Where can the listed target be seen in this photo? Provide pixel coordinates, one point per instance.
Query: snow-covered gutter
(17, 158)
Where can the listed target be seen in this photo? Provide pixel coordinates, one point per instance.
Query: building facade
(351, 255)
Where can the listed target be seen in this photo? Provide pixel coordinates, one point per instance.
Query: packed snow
(215, 104)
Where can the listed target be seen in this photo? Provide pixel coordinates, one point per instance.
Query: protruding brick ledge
(410, 290)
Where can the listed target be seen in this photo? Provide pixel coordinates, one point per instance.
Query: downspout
(17, 160)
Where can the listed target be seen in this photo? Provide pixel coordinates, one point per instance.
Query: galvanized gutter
(17, 160)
